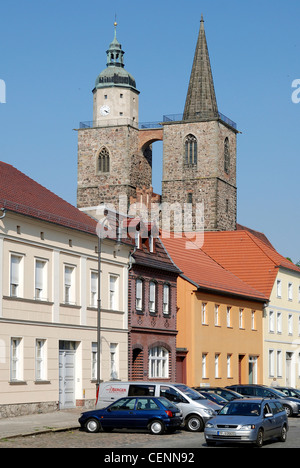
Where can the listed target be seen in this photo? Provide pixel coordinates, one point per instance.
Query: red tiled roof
(247, 256)
(207, 274)
(23, 195)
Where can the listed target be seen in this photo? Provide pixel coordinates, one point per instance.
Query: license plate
(225, 433)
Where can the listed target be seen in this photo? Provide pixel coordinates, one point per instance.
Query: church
(199, 148)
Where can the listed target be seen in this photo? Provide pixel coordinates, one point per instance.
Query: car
(290, 404)
(218, 399)
(249, 420)
(157, 414)
(289, 391)
(225, 393)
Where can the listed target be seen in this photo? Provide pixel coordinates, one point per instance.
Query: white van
(195, 408)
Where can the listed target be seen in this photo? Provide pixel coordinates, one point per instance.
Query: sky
(52, 51)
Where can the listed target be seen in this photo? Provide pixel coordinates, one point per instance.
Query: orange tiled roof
(205, 273)
(247, 255)
(21, 194)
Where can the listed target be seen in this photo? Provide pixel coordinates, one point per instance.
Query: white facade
(48, 314)
(282, 331)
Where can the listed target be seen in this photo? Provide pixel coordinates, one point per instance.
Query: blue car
(251, 420)
(157, 414)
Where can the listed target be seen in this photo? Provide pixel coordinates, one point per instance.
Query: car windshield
(241, 409)
(167, 403)
(192, 394)
(278, 393)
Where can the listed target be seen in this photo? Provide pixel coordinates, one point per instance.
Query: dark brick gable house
(152, 310)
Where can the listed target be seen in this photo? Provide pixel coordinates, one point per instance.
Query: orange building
(219, 321)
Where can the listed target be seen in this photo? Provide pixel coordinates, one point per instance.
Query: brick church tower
(111, 162)
(199, 155)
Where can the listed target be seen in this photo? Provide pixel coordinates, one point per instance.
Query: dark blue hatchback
(157, 414)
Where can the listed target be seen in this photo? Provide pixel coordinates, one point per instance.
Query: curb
(39, 432)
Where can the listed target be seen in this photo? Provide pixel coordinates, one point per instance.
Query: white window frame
(290, 324)
(16, 359)
(279, 363)
(217, 362)
(271, 321)
(139, 286)
(158, 362)
(279, 322)
(114, 361)
(228, 317)
(290, 291)
(203, 313)
(166, 299)
(16, 275)
(94, 288)
(152, 297)
(40, 360)
(217, 315)
(204, 367)
(278, 288)
(229, 359)
(69, 284)
(241, 319)
(113, 292)
(271, 363)
(41, 280)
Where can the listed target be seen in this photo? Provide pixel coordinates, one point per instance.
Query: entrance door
(66, 374)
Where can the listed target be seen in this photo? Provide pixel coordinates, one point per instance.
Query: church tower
(110, 161)
(199, 151)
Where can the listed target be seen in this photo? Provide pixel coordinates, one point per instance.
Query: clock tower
(111, 161)
(115, 93)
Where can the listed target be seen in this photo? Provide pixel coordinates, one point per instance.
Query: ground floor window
(158, 362)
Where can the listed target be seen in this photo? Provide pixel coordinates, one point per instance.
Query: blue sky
(52, 52)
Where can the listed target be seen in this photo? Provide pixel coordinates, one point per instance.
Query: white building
(48, 301)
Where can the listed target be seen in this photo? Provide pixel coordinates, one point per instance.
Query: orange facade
(222, 336)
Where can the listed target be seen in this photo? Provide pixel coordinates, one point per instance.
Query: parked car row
(238, 413)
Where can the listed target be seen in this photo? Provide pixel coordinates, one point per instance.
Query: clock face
(104, 110)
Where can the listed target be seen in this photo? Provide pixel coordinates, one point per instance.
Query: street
(124, 439)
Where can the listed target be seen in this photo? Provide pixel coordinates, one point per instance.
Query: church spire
(201, 100)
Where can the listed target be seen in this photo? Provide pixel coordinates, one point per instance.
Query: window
(290, 324)
(94, 361)
(279, 322)
(204, 313)
(103, 161)
(278, 285)
(271, 321)
(152, 297)
(290, 291)
(15, 360)
(41, 280)
(279, 363)
(217, 356)
(190, 145)
(139, 294)
(216, 315)
(69, 285)
(229, 356)
(158, 362)
(40, 360)
(228, 317)
(113, 293)
(16, 276)
(114, 361)
(241, 318)
(204, 360)
(253, 322)
(226, 155)
(271, 363)
(94, 288)
(166, 299)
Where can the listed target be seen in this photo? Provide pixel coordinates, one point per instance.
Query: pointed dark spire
(201, 100)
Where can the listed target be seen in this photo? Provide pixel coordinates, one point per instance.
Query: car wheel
(156, 427)
(288, 410)
(283, 434)
(92, 425)
(260, 438)
(194, 424)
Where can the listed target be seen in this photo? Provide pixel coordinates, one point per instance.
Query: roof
(21, 194)
(201, 270)
(248, 255)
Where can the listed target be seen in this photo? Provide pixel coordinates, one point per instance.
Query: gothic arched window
(103, 161)
(190, 150)
(226, 155)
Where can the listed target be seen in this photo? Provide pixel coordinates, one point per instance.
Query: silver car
(251, 420)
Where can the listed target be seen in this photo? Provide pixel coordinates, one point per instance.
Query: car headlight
(209, 412)
(249, 426)
(209, 425)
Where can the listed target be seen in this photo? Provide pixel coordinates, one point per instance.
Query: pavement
(22, 426)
